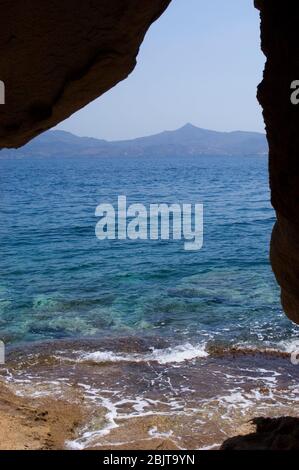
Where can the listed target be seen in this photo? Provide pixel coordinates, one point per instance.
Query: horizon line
(188, 124)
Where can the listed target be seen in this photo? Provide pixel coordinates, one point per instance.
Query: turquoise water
(57, 280)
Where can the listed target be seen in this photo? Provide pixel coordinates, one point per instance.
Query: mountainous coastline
(188, 140)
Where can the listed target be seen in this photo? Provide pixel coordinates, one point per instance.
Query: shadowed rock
(271, 434)
(57, 56)
(279, 34)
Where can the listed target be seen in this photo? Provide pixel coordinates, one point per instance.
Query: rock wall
(57, 56)
(279, 36)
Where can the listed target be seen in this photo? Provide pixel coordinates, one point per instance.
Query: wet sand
(36, 424)
(48, 424)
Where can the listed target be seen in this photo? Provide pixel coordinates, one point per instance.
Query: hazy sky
(199, 63)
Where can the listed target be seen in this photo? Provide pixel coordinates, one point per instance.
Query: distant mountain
(188, 140)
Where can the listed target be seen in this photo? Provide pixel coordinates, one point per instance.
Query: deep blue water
(57, 280)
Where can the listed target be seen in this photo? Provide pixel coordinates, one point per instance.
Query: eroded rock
(56, 57)
(279, 34)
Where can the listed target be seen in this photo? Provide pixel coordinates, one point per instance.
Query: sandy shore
(47, 424)
(35, 424)
(78, 395)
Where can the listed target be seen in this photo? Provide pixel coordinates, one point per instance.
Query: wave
(127, 350)
(290, 345)
(176, 354)
(181, 353)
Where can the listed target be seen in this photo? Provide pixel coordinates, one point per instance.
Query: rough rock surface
(279, 34)
(57, 56)
(42, 423)
(271, 434)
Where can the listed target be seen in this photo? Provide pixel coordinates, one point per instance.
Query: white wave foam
(153, 432)
(289, 346)
(210, 447)
(89, 437)
(177, 354)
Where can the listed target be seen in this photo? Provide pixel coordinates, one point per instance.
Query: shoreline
(108, 395)
(49, 424)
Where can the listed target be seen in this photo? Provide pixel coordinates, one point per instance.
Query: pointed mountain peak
(188, 125)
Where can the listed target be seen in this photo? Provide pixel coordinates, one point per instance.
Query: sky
(200, 62)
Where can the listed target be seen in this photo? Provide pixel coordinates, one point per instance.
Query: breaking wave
(176, 354)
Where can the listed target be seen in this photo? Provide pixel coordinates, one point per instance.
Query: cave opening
(185, 347)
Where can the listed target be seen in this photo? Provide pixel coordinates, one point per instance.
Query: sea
(156, 342)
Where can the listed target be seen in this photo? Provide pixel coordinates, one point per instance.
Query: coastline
(110, 394)
(48, 424)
